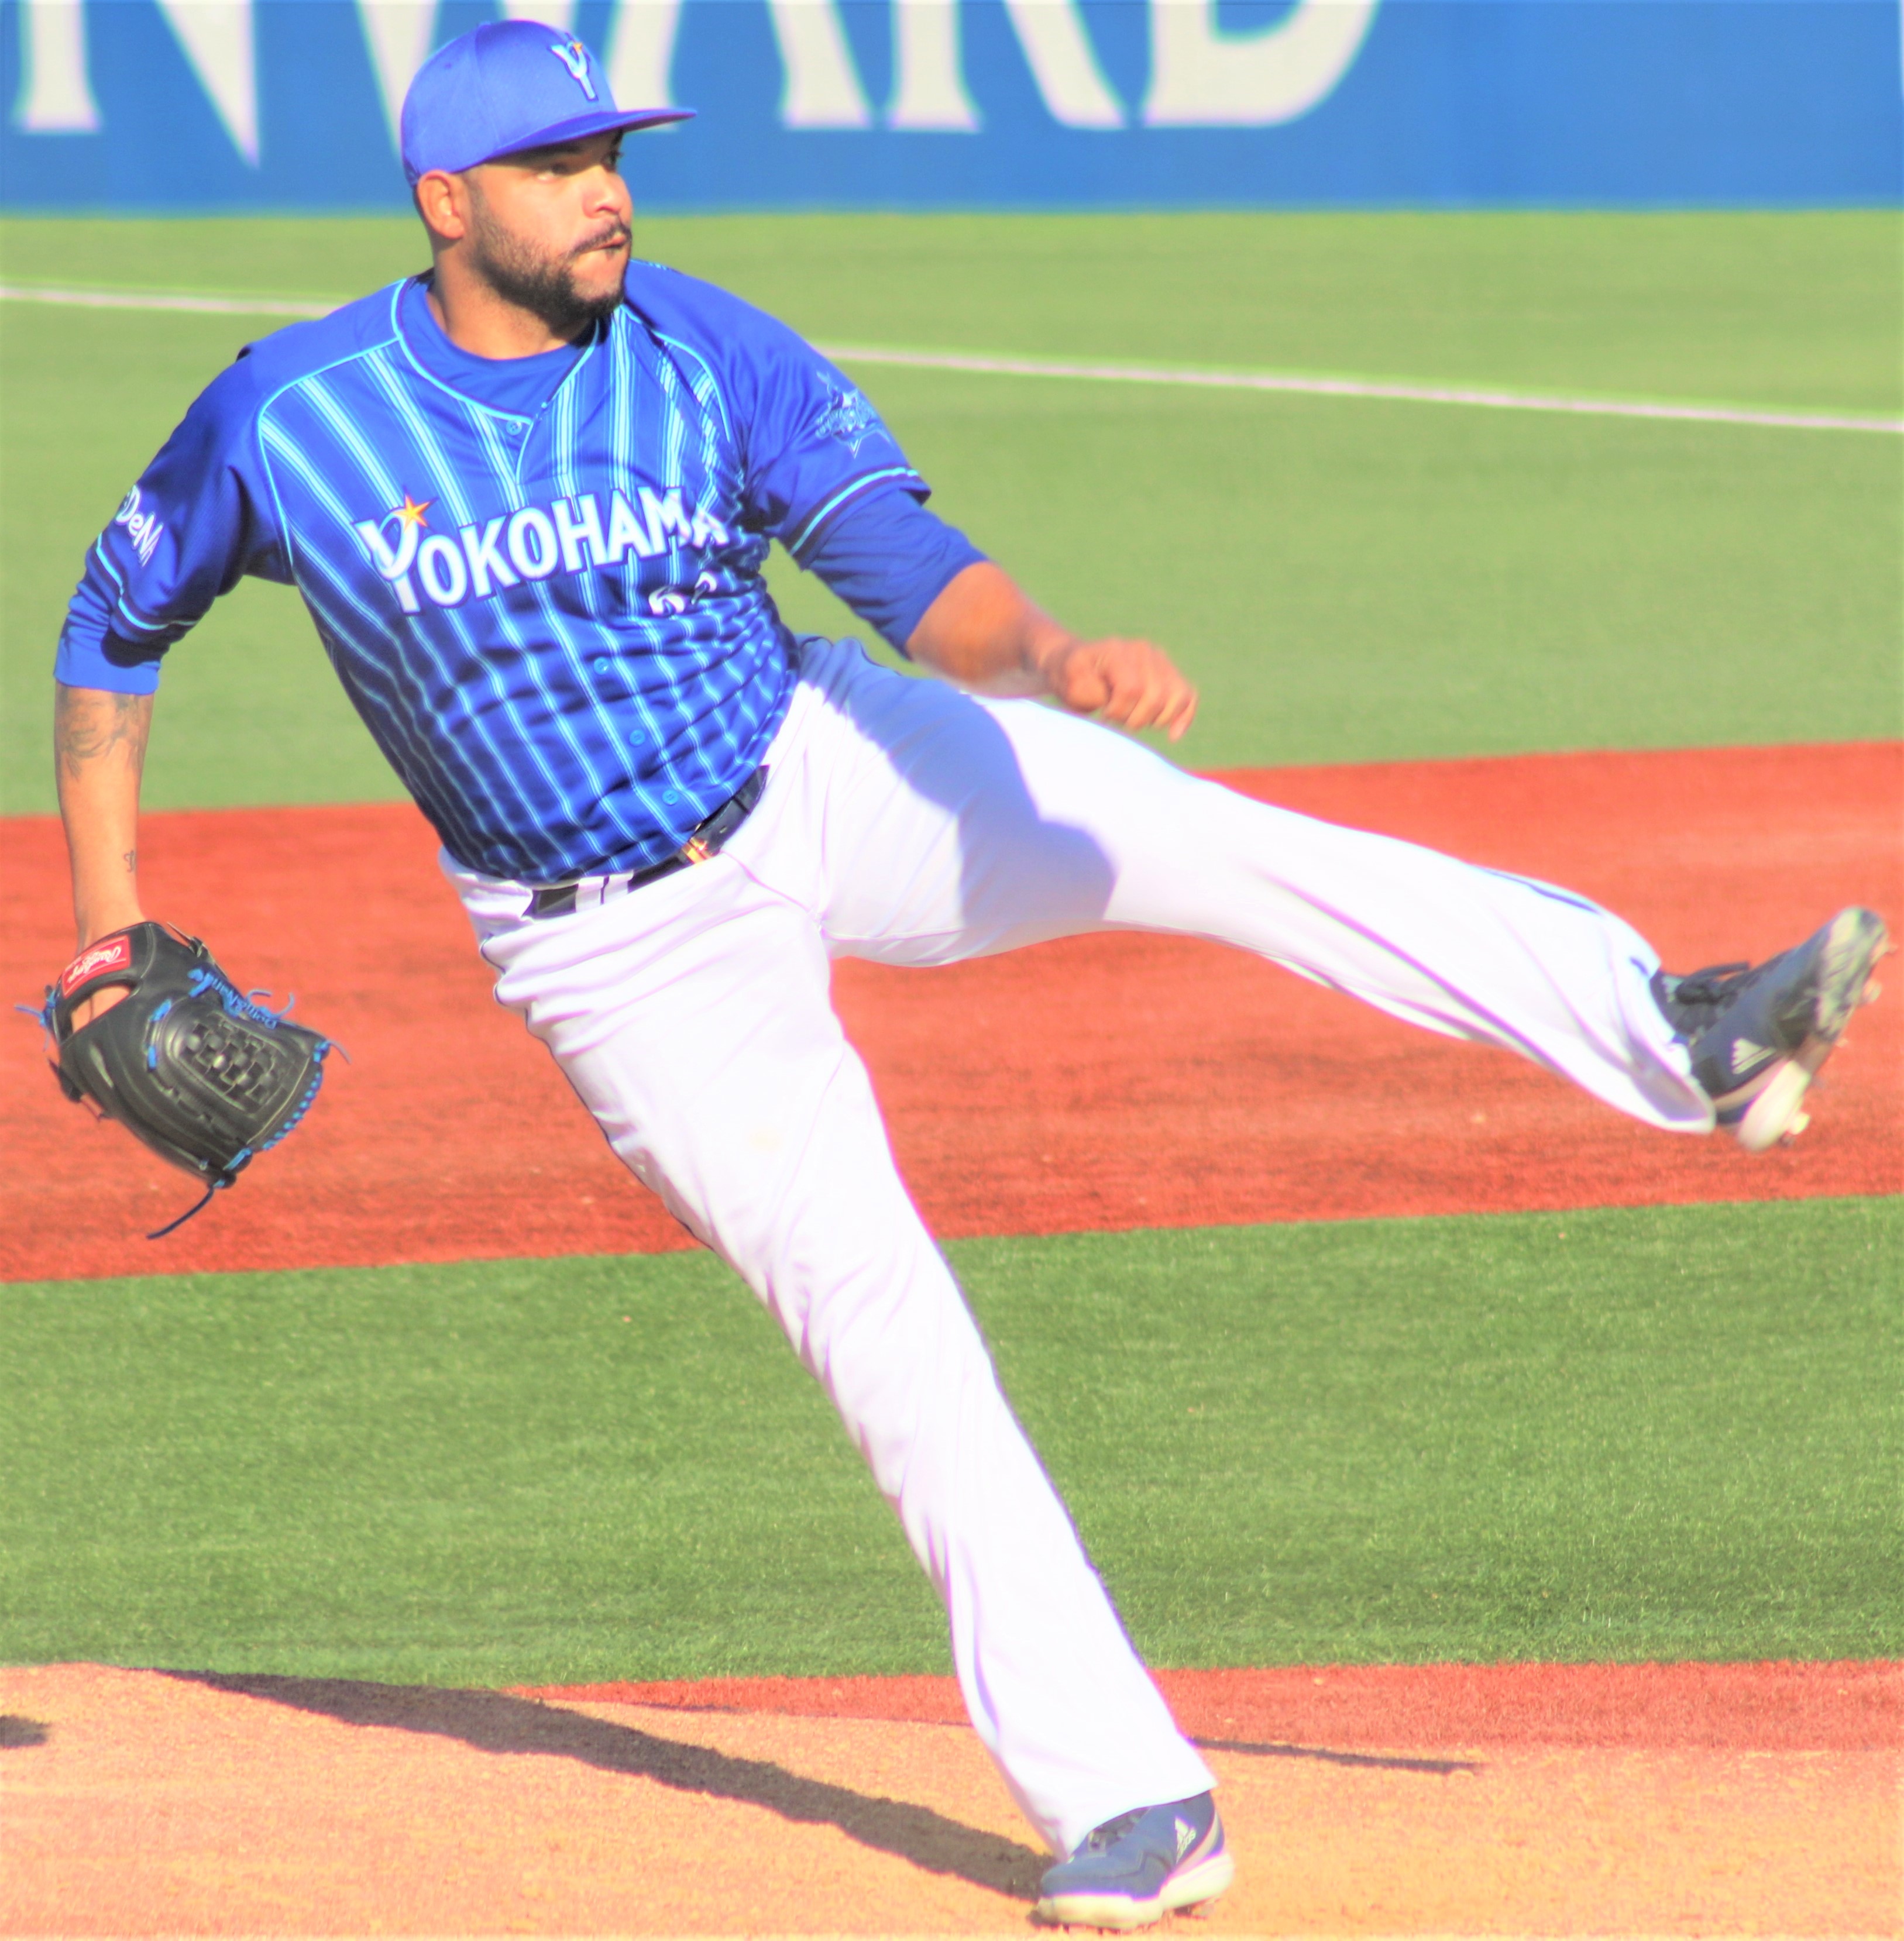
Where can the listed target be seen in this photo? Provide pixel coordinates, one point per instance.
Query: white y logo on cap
(575, 57)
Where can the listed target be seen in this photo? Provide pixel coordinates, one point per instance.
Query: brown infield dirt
(1689, 1799)
(1516, 1799)
(1104, 1083)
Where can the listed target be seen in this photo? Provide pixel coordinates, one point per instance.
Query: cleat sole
(1776, 1114)
(1200, 1883)
(1191, 1887)
(1857, 939)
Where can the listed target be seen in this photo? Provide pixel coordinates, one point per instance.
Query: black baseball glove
(201, 1074)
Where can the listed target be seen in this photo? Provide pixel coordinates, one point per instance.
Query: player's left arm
(983, 633)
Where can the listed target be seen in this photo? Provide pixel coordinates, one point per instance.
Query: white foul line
(158, 300)
(1356, 387)
(1291, 383)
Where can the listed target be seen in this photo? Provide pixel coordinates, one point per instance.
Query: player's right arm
(184, 533)
(98, 753)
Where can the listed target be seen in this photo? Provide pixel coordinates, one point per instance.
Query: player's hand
(100, 1001)
(982, 632)
(1129, 683)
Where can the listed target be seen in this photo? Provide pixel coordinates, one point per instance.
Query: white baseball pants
(908, 823)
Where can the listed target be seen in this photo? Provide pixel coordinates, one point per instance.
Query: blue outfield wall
(234, 105)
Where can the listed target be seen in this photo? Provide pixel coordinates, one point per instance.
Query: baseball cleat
(1757, 1034)
(1137, 1868)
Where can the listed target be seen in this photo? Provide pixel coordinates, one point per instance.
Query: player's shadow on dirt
(492, 1722)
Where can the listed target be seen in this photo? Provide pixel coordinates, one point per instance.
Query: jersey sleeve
(814, 446)
(198, 519)
(889, 558)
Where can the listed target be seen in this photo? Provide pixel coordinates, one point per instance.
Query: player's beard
(544, 285)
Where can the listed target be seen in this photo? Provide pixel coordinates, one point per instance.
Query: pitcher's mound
(142, 1803)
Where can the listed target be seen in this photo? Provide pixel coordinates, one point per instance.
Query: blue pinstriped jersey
(554, 623)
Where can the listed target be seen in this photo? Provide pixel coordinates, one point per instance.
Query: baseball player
(526, 497)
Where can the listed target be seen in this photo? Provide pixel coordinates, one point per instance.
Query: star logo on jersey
(394, 562)
(575, 57)
(850, 419)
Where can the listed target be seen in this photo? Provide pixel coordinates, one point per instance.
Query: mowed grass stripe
(992, 363)
(1799, 310)
(1663, 1434)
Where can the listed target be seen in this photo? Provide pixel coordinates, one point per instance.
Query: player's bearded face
(570, 285)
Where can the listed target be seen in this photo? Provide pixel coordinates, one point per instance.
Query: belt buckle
(710, 833)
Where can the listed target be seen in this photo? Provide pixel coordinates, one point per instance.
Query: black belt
(559, 899)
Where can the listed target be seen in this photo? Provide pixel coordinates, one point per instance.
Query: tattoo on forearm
(132, 862)
(89, 724)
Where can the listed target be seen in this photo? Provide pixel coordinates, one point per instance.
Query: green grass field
(1663, 1434)
(1669, 1434)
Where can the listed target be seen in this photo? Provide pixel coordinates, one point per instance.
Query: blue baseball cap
(506, 86)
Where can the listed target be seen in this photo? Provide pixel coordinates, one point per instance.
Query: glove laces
(173, 1226)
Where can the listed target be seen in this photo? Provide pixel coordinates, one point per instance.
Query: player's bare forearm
(98, 753)
(983, 633)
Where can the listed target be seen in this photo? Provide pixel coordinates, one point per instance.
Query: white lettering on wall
(1201, 74)
(822, 86)
(1064, 64)
(216, 37)
(397, 32)
(559, 14)
(1202, 77)
(929, 89)
(56, 92)
(641, 54)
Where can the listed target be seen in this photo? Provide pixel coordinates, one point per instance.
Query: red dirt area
(149, 1803)
(1228, 1091)
(1854, 1706)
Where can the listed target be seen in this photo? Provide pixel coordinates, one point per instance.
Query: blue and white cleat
(1758, 1034)
(1136, 1868)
